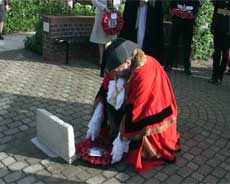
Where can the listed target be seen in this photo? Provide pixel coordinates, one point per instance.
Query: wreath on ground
(83, 149)
(112, 22)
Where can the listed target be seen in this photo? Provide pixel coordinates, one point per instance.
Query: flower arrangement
(105, 144)
(181, 14)
(112, 22)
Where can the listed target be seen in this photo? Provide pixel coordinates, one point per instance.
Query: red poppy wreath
(112, 22)
(96, 152)
(182, 14)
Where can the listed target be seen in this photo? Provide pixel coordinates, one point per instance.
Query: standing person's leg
(174, 38)
(216, 61)
(2, 17)
(1, 29)
(223, 64)
(101, 50)
(187, 41)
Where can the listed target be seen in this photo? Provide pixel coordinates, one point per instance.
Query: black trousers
(181, 29)
(220, 56)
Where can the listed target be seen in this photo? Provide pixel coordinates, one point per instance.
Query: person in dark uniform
(143, 24)
(221, 31)
(183, 19)
(4, 7)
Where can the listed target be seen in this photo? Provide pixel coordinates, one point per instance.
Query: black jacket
(221, 23)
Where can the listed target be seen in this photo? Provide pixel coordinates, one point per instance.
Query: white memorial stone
(54, 136)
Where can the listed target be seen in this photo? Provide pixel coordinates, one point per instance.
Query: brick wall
(75, 28)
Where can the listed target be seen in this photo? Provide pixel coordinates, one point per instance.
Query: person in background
(143, 24)
(221, 30)
(4, 7)
(141, 112)
(183, 19)
(98, 36)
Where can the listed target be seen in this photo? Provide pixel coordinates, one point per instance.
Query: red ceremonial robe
(150, 119)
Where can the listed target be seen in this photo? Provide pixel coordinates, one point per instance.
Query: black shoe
(188, 72)
(1, 37)
(215, 81)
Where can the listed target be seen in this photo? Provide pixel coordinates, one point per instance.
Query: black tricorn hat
(118, 51)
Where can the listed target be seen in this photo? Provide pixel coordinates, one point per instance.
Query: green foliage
(202, 39)
(49, 7)
(54, 7)
(22, 16)
(83, 9)
(25, 14)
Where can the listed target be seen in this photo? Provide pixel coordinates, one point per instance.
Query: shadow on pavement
(28, 56)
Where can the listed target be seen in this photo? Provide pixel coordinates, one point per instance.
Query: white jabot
(116, 93)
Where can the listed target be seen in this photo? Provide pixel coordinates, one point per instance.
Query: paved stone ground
(27, 83)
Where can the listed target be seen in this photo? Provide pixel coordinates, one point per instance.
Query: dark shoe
(1, 37)
(188, 72)
(215, 81)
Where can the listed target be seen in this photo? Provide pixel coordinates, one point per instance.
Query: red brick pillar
(67, 27)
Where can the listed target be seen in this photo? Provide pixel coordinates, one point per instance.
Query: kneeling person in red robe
(146, 122)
